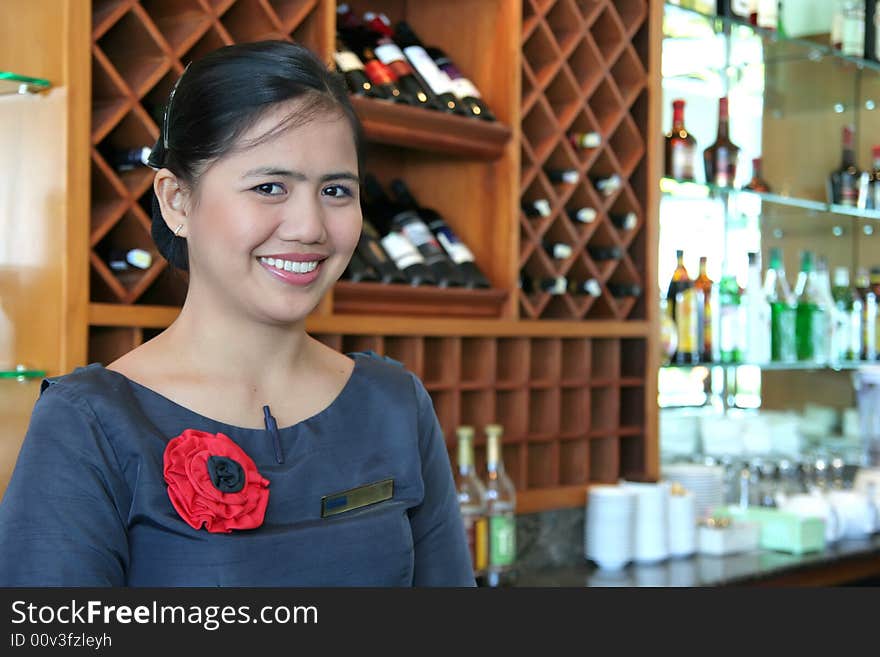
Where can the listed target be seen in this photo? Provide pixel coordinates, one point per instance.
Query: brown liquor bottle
(680, 146)
(704, 284)
(721, 157)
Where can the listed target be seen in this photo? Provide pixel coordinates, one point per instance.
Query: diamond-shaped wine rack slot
(628, 211)
(566, 25)
(628, 146)
(536, 266)
(215, 37)
(586, 65)
(584, 211)
(136, 130)
(529, 92)
(154, 102)
(582, 270)
(629, 75)
(539, 129)
(135, 54)
(105, 13)
(109, 199)
(543, 56)
(219, 7)
(606, 106)
(539, 191)
(180, 22)
(252, 20)
(110, 97)
(604, 167)
(527, 168)
(603, 237)
(589, 9)
(292, 13)
(130, 232)
(607, 33)
(633, 14)
(625, 273)
(530, 19)
(563, 158)
(585, 123)
(564, 98)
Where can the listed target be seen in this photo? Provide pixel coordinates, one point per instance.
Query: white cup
(856, 513)
(651, 525)
(682, 524)
(609, 526)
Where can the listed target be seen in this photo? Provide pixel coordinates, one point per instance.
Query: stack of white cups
(609, 528)
(682, 522)
(651, 542)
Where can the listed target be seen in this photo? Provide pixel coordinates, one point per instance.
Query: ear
(172, 197)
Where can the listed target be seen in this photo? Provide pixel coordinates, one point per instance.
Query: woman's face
(273, 225)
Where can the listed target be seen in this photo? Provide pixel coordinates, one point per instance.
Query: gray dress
(88, 505)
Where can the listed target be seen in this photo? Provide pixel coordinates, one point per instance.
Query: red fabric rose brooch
(212, 482)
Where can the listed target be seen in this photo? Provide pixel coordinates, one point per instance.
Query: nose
(303, 220)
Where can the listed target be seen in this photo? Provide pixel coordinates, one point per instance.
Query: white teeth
(291, 265)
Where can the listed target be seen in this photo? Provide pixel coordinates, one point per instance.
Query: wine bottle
(358, 271)
(704, 284)
(843, 181)
(472, 502)
(462, 87)
(127, 159)
(554, 285)
(684, 303)
(625, 220)
(582, 215)
(601, 253)
(371, 252)
(435, 79)
(589, 287)
(810, 315)
(407, 222)
(720, 158)
(622, 290)
(457, 250)
(680, 146)
(848, 343)
(126, 259)
(557, 250)
(731, 322)
(585, 139)
(783, 347)
(538, 208)
(563, 176)
(607, 185)
(352, 68)
(501, 508)
(874, 186)
(757, 182)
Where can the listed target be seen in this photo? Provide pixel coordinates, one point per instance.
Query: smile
(290, 265)
(292, 272)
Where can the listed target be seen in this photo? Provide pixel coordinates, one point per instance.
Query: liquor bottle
(127, 159)
(406, 221)
(472, 502)
(128, 259)
(624, 220)
(602, 253)
(620, 290)
(589, 287)
(866, 294)
(372, 252)
(837, 24)
(872, 315)
(680, 146)
(352, 68)
(435, 79)
(668, 334)
(501, 508)
(768, 14)
(685, 307)
(680, 281)
(582, 215)
(783, 346)
(557, 250)
(848, 345)
(554, 285)
(704, 284)
(607, 185)
(458, 252)
(874, 188)
(835, 325)
(538, 208)
(465, 90)
(853, 28)
(563, 176)
(584, 140)
(720, 158)
(758, 347)
(757, 182)
(359, 271)
(843, 182)
(731, 320)
(811, 324)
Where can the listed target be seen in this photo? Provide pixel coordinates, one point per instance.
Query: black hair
(219, 97)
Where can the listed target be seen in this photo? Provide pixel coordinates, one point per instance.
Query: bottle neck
(494, 461)
(848, 155)
(677, 117)
(723, 119)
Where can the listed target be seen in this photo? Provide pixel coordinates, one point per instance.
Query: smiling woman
(234, 449)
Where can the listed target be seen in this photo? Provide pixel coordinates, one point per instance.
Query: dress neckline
(344, 392)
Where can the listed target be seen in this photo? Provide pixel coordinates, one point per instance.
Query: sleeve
(442, 557)
(61, 519)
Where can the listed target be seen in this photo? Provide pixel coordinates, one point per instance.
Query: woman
(233, 449)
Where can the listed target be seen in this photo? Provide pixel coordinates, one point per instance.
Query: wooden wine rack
(575, 397)
(585, 69)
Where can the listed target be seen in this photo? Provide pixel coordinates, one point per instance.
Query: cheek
(345, 228)
(230, 222)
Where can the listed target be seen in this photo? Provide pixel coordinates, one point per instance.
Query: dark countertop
(845, 562)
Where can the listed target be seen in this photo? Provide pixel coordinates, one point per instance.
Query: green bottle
(731, 322)
(811, 315)
(782, 310)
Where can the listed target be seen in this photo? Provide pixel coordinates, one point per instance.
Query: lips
(299, 269)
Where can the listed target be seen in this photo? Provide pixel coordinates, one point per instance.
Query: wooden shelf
(412, 127)
(381, 299)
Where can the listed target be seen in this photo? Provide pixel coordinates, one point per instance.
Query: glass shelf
(11, 83)
(687, 190)
(777, 367)
(22, 373)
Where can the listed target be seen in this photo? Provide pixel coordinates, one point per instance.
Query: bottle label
(378, 73)
(433, 76)
(682, 161)
(782, 332)
(377, 251)
(415, 230)
(722, 167)
(401, 250)
(464, 88)
(686, 318)
(456, 249)
(348, 61)
(388, 52)
(854, 341)
(729, 328)
(502, 540)
(477, 531)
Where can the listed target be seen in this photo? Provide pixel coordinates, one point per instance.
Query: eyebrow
(297, 175)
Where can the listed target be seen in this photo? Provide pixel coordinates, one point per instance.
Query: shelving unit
(572, 380)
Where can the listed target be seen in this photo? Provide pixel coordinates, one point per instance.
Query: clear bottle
(811, 315)
(847, 344)
(501, 510)
(472, 503)
(834, 326)
(758, 315)
(782, 310)
(730, 311)
(866, 294)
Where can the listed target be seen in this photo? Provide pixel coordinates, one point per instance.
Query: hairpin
(168, 108)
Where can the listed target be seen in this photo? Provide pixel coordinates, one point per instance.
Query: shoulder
(89, 389)
(391, 379)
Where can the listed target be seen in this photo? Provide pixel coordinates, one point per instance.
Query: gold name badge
(355, 498)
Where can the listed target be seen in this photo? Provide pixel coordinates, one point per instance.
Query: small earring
(177, 230)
